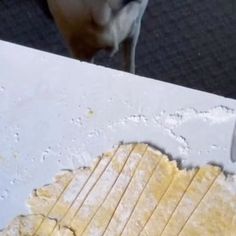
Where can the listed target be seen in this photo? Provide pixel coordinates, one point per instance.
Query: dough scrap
(132, 190)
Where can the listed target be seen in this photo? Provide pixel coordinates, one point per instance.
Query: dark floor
(186, 42)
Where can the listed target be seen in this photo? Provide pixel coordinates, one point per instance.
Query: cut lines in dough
(132, 190)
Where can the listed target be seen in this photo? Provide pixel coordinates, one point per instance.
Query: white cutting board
(58, 113)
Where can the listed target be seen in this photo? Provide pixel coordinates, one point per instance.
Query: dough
(195, 192)
(27, 225)
(168, 202)
(132, 190)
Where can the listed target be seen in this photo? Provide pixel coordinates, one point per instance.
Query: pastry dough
(132, 190)
(190, 200)
(168, 202)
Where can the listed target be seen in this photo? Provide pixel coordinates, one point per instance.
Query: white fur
(92, 25)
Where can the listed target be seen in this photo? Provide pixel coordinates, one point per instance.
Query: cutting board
(59, 113)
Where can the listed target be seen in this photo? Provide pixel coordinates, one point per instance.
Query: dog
(89, 26)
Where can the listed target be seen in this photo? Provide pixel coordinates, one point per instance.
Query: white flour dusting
(216, 115)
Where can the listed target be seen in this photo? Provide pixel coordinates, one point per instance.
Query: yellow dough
(42, 199)
(168, 203)
(193, 195)
(217, 210)
(132, 190)
(27, 225)
(104, 214)
(141, 177)
(149, 199)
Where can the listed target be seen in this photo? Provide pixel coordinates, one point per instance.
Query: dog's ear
(43, 5)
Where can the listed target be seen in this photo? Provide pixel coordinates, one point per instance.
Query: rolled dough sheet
(132, 190)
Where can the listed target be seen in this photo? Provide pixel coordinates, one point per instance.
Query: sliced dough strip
(199, 186)
(75, 186)
(45, 216)
(136, 202)
(102, 217)
(22, 225)
(210, 220)
(208, 190)
(140, 179)
(162, 213)
(101, 189)
(41, 200)
(76, 195)
(151, 196)
(58, 206)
